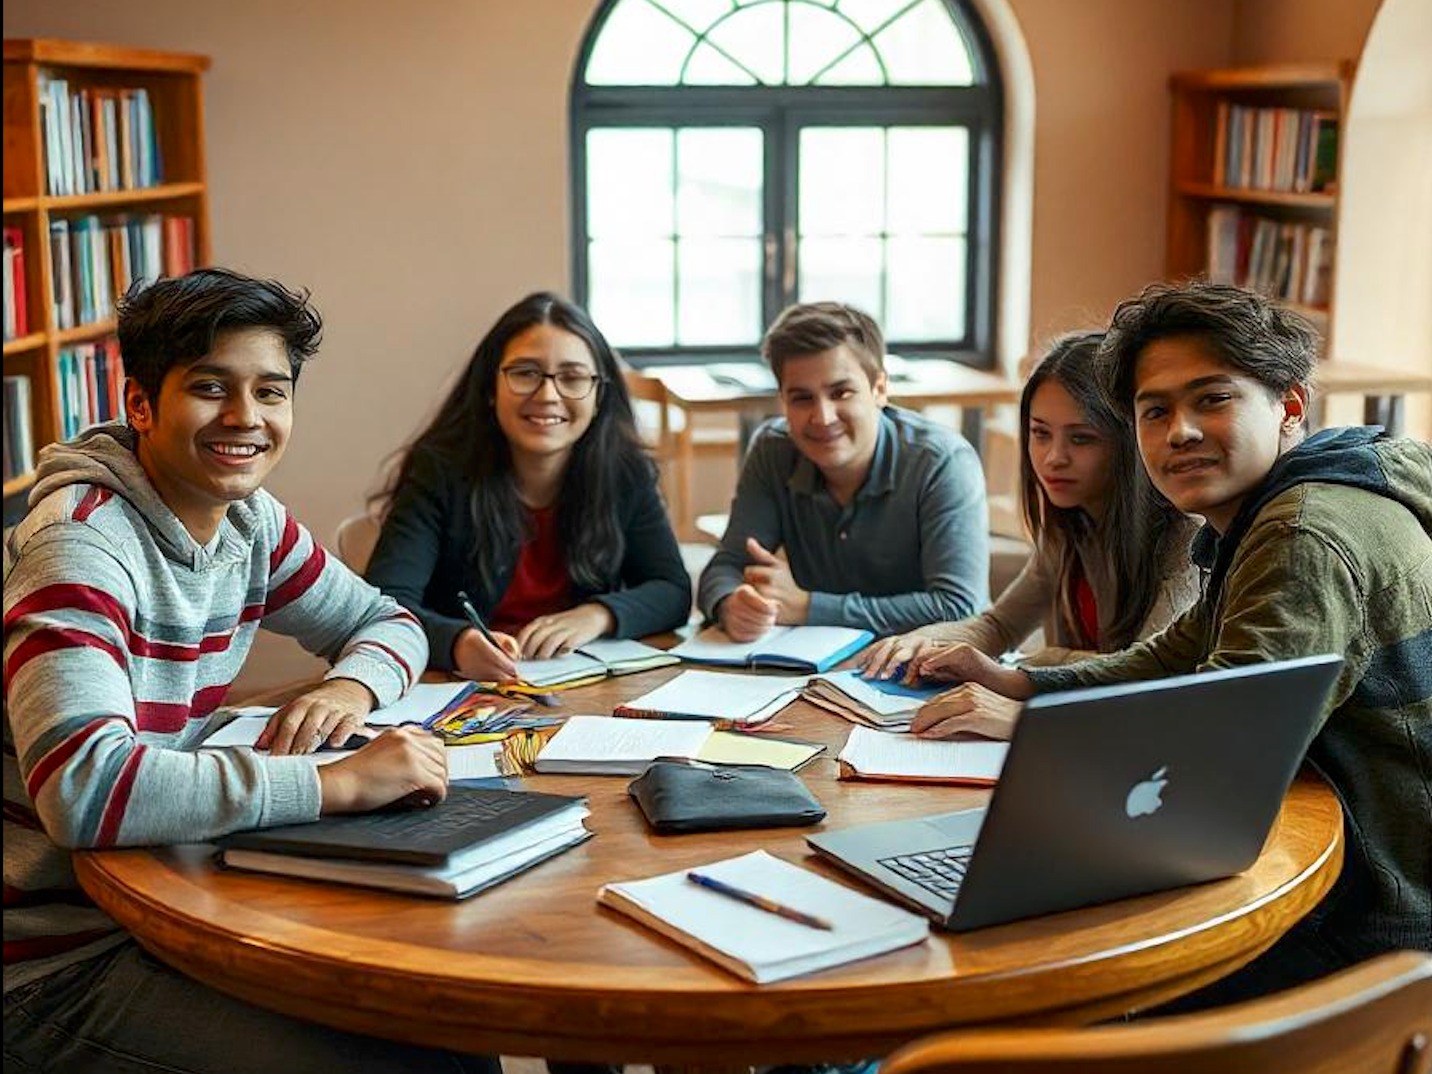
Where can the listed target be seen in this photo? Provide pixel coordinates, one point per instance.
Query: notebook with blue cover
(796, 648)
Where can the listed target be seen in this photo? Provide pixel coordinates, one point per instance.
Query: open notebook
(798, 648)
(727, 699)
(593, 660)
(757, 944)
(870, 754)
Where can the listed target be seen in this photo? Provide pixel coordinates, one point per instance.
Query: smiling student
(133, 589)
(1313, 544)
(531, 492)
(879, 515)
(1110, 562)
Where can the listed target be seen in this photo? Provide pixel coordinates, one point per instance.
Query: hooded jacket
(122, 636)
(1332, 553)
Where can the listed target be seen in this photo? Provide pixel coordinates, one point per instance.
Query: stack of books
(887, 704)
(471, 840)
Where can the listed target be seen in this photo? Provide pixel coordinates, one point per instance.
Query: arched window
(731, 157)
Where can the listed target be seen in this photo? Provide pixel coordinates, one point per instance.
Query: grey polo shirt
(911, 547)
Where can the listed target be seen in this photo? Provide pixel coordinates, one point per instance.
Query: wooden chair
(669, 445)
(1375, 1018)
(354, 540)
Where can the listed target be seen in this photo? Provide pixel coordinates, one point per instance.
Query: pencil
(476, 620)
(761, 902)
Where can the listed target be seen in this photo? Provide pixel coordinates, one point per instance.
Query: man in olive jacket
(1313, 544)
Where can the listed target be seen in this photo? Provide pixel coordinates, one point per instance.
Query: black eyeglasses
(570, 383)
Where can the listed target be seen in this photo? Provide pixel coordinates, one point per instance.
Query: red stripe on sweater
(45, 767)
(69, 595)
(119, 800)
(407, 670)
(90, 501)
(52, 639)
(285, 543)
(46, 946)
(299, 583)
(171, 716)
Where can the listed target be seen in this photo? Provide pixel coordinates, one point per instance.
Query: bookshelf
(136, 173)
(1253, 173)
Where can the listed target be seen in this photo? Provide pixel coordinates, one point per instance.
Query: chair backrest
(356, 536)
(1375, 1018)
(652, 408)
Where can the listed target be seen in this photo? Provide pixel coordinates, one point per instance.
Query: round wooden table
(535, 967)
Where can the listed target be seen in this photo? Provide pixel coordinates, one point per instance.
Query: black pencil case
(693, 796)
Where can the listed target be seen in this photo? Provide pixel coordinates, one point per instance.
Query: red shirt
(540, 585)
(1085, 607)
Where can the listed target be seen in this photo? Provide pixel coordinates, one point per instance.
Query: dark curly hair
(174, 321)
(1270, 343)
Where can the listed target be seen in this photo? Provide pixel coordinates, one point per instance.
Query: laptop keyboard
(938, 871)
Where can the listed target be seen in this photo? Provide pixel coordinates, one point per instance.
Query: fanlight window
(732, 157)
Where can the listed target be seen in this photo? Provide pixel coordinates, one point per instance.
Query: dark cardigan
(424, 557)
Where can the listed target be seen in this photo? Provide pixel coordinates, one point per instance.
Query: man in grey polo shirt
(848, 512)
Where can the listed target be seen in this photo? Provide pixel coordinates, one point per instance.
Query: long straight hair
(465, 434)
(1139, 525)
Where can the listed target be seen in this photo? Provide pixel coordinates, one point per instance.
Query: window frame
(780, 112)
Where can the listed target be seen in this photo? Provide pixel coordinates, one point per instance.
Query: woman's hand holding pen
(552, 635)
(476, 658)
(402, 762)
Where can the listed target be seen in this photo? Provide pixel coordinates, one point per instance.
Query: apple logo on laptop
(1144, 798)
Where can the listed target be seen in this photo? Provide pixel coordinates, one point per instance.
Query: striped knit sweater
(122, 636)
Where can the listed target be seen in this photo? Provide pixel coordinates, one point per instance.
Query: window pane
(638, 46)
(632, 287)
(817, 37)
(925, 289)
(719, 296)
(870, 15)
(708, 67)
(842, 181)
(841, 270)
(860, 68)
(629, 183)
(929, 175)
(924, 48)
(756, 38)
(719, 174)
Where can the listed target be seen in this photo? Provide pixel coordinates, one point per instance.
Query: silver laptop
(1107, 792)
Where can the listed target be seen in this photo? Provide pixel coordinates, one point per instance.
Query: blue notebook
(797, 648)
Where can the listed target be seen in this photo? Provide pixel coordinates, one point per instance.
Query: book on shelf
(881, 755)
(17, 313)
(97, 139)
(1286, 150)
(90, 379)
(604, 746)
(755, 943)
(19, 437)
(888, 704)
(1288, 261)
(726, 699)
(797, 648)
(472, 839)
(94, 260)
(594, 660)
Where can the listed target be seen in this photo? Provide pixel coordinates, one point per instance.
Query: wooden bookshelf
(173, 82)
(1199, 186)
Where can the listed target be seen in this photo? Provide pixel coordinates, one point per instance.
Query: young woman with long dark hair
(531, 492)
(1110, 563)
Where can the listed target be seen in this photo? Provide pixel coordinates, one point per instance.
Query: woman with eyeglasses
(531, 493)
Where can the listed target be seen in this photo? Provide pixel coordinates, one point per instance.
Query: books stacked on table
(750, 929)
(887, 704)
(472, 839)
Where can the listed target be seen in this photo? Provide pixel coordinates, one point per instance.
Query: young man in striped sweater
(133, 589)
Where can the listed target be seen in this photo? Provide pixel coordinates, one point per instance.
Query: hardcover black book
(466, 818)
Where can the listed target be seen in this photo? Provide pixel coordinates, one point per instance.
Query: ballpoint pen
(476, 620)
(761, 902)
